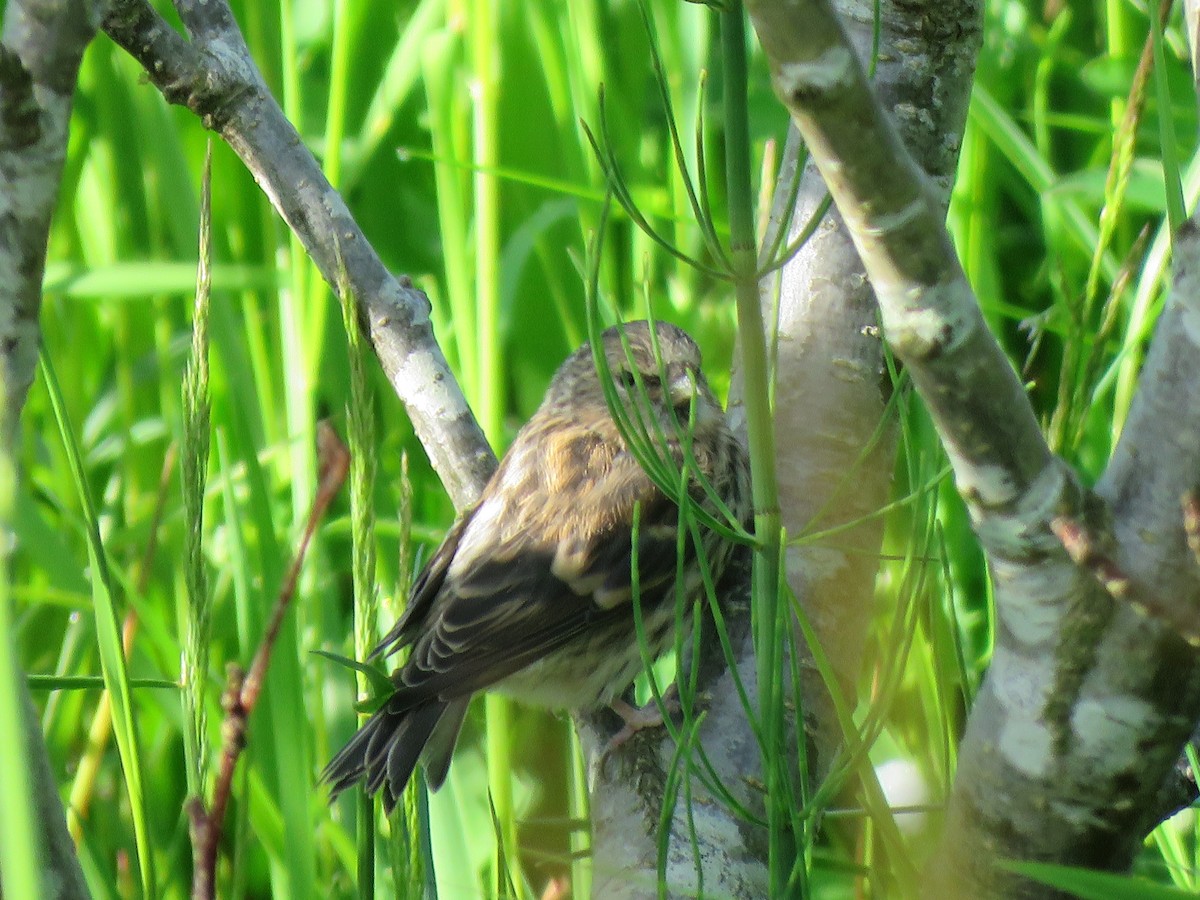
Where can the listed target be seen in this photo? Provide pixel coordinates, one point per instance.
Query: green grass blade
(108, 637)
(998, 124)
(92, 683)
(1176, 211)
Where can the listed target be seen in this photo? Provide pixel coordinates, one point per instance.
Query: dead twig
(243, 689)
(1089, 551)
(1190, 502)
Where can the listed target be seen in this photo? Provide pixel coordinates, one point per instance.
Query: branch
(1072, 749)
(215, 77)
(830, 367)
(1090, 551)
(929, 313)
(1087, 702)
(43, 42)
(62, 878)
(1152, 479)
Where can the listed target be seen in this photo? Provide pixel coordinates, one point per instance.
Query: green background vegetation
(453, 129)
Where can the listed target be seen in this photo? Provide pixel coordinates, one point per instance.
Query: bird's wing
(554, 572)
(424, 591)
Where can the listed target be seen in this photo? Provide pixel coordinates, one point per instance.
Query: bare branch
(832, 389)
(1071, 750)
(929, 313)
(62, 878)
(216, 78)
(1156, 465)
(830, 366)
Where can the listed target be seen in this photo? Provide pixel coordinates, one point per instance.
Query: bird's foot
(635, 718)
(638, 718)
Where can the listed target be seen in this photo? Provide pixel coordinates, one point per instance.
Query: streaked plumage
(530, 592)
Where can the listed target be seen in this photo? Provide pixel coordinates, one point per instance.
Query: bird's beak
(683, 388)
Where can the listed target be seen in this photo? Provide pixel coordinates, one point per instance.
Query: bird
(531, 593)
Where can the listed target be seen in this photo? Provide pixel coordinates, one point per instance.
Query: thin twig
(1088, 550)
(243, 689)
(1190, 502)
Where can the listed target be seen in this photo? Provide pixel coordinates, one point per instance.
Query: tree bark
(834, 447)
(42, 45)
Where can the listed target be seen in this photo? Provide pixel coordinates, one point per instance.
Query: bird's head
(671, 380)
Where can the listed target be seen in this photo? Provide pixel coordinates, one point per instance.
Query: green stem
(364, 816)
(335, 114)
(1120, 44)
(1176, 210)
(19, 851)
(297, 361)
(760, 426)
(360, 434)
(485, 65)
(442, 73)
(108, 636)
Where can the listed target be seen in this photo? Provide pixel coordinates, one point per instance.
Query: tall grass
(454, 129)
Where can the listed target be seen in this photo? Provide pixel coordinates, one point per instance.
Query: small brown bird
(530, 594)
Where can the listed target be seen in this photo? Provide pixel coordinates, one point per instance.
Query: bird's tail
(385, 751)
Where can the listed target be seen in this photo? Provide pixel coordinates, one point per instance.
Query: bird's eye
(627, 378)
